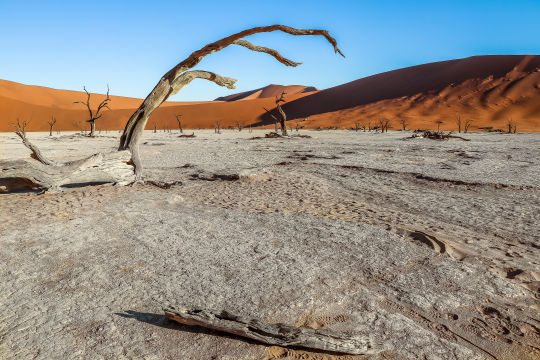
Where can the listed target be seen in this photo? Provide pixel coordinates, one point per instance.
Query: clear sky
(131, 44)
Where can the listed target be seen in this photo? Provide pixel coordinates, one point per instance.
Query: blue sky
(131, 44)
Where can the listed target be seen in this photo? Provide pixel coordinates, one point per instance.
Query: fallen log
(192, 135)
(275, 334)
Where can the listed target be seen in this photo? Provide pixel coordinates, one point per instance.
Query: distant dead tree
(283, 116)
(276, 120)
(357, 125)
(369, 125)
(51, 124)
(239, 125)
(439, 122)
(217, 127)
(155, 126)
(77, 125)
(512, 126)
(404, 123)
(179, 120)
(298, 126)
(467, 125)
(124, 166)
(94, 115)
(458, 123)
(339, 120)
(384, 125)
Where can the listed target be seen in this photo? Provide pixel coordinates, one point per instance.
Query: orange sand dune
(270, 91)
(488, 89)
(48, 97)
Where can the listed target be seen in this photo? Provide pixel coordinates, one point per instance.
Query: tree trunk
(50, 130)
(275, 334)
(282, 120)
(113, 168)
(92, 128)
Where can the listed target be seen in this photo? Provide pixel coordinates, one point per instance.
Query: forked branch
(94, 116)
(180, 82)
(20, 130)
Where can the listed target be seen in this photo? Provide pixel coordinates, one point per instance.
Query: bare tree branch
(20, 130)
(136, 124)
(94, 116)
(269, 51)
(180, 82)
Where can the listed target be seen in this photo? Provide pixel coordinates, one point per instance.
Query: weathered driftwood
(438, 135)
(102, 169)
(192, 135)
(275, 334)
(46, 174)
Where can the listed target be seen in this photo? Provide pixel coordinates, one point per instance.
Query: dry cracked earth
(429, 249)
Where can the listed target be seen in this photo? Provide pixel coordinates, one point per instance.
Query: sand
(490, 90)
(430, 248)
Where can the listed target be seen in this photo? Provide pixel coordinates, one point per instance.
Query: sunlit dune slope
(270, 91)
(487, 89)
(490, 90)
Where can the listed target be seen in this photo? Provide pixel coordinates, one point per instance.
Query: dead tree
(179, 120)
(512, 126)
(357, 125)
(51, 124)
(239, 125)
(283, 116)
(467, 125)
(384, 125)
(155, 126)
(217, 127)
(77, 124)
(439, 122)
(124, 166)
(458, 123)
(276, 120)
(404, 123)
(297, 123)
(339, 121)
(94, 115)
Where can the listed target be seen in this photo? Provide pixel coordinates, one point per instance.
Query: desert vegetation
(404, 122)
(94, 115)
(51, 123)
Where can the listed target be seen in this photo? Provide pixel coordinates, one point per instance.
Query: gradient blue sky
(131, 44)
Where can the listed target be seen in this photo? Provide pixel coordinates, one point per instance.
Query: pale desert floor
(430, 248)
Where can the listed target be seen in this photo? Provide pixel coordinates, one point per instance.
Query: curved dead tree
(179, 120)
(124, 166)
(97, 114)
